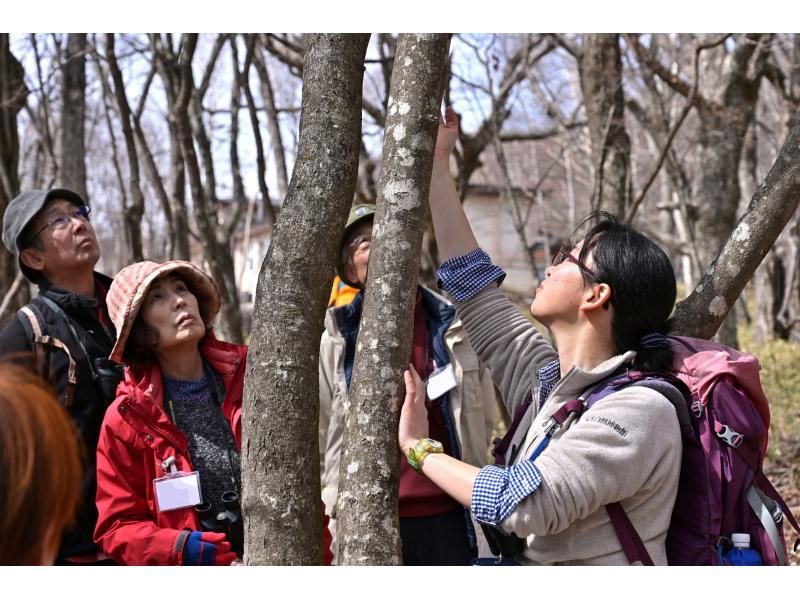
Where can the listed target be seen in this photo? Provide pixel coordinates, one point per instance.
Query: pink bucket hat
(130, 286)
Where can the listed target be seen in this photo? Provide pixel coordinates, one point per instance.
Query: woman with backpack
(606, 301)
(168, 465)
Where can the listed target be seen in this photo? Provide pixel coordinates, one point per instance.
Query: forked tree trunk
(280, 453)
(368, 528)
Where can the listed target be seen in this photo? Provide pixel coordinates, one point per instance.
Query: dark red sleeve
(327, 538)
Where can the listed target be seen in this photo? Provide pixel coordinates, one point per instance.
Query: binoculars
(107, 375)
(228, 521)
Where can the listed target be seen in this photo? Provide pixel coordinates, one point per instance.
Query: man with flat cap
(66, 328)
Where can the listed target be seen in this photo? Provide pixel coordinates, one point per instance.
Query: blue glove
(207, 548)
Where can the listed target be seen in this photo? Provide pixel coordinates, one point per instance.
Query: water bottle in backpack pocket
(738, 552)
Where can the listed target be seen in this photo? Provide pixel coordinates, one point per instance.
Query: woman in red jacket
(168, 467)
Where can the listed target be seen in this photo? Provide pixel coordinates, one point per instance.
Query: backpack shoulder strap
(33, 322)
(629, 538)
(672, 391)
(632, 545)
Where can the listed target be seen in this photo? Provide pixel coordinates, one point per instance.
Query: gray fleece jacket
(626, 448)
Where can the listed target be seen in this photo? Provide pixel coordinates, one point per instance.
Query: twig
(12, 292)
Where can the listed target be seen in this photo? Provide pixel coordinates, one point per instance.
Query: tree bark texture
(600, 69)
(12, 98)
(280, 454)
(73, 109)
(771, 208)
(367, 523)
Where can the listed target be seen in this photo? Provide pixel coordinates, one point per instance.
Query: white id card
(177, 490)
(440, 381)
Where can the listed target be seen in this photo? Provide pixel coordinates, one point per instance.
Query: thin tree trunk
(280, 463)
(12, 99)
(771, 208)
(167, 66)
(46, 136)
(216, 247)
(135, 210)
(600, 68)
(273, 126)
(261, 165)
(368, 528)
(151, 169)
(73, 110)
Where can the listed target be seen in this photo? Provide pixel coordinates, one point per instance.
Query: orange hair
(40, 468)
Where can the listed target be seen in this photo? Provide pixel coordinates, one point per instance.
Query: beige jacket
(626, 448)
(474, 402)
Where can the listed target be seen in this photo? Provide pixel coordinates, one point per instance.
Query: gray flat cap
(22, 209)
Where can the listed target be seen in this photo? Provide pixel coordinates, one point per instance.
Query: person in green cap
(435, 529)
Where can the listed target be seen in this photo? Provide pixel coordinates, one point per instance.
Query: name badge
(441, 381)
(177, 489)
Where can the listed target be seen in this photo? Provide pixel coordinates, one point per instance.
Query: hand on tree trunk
(414, 414)
(447, 136)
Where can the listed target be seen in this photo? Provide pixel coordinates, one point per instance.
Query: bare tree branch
(668, 143)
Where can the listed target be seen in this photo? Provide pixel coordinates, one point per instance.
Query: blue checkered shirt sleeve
(497, 491)
(466, 275)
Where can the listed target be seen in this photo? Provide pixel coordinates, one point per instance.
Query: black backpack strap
(672, 391)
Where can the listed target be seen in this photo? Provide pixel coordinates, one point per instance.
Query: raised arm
(453, 233)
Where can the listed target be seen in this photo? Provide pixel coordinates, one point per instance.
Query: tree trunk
(718, 197)
(261, 164)
(135, 210)
(367, 525)
(702, 313)
(73, 109)
(12, 98)
(763, 280)
(167, 65)
(280, 455)
(273, 126)
(600, 69)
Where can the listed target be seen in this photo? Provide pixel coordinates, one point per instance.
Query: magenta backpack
(724, 419)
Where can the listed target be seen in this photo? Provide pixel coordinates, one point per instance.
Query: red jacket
(136, 436)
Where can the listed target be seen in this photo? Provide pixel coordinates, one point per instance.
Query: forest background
(531, 125)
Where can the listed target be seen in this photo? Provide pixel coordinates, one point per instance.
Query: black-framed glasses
(565, 254)
(62, 220)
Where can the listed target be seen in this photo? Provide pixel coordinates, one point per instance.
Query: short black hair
(642, 281)
(140, 347)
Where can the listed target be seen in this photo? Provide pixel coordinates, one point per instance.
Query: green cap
(357, 214)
